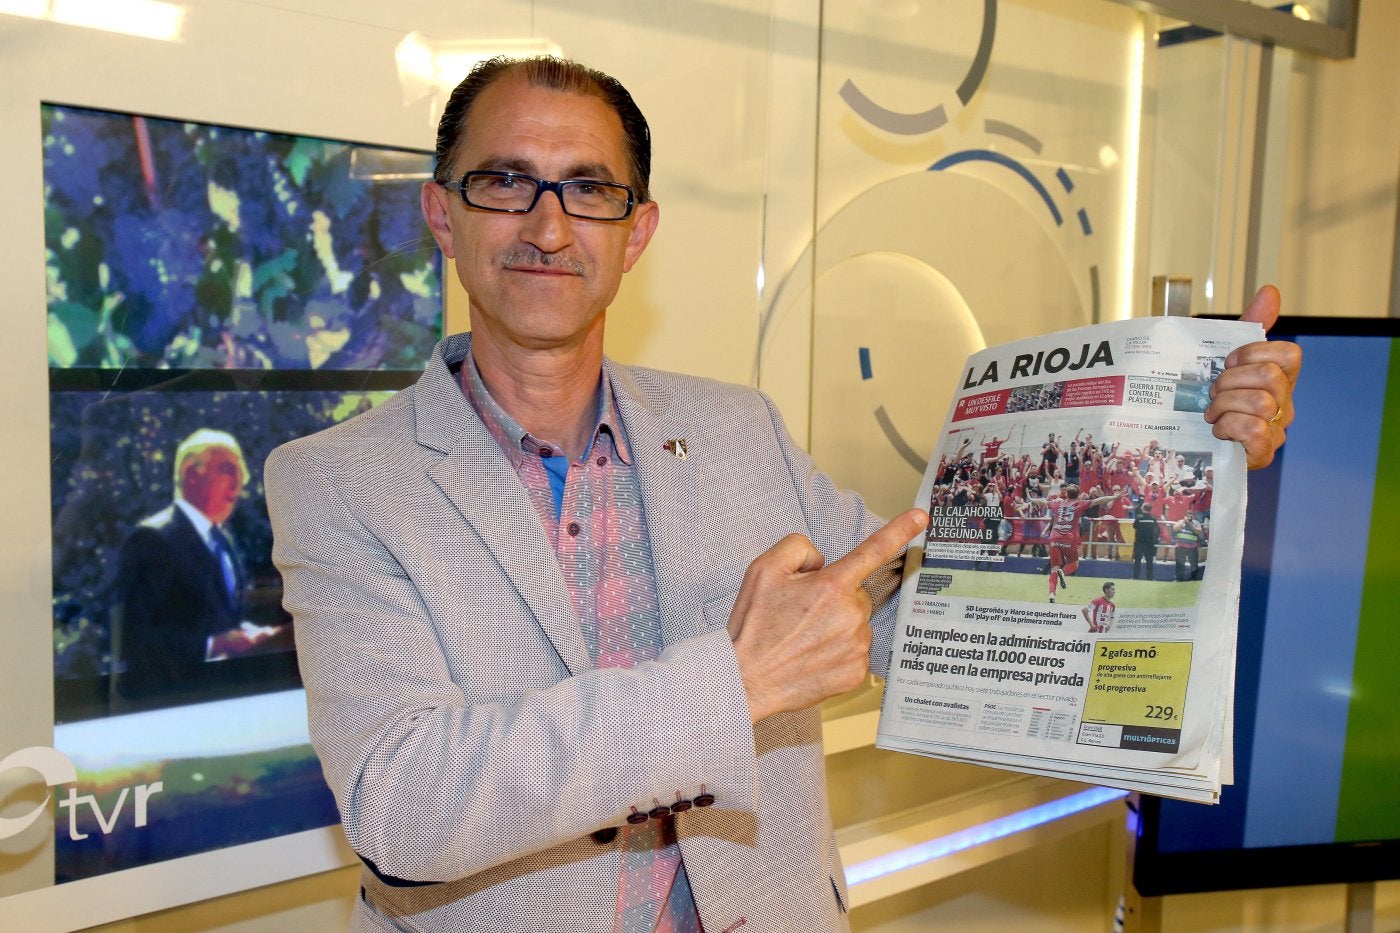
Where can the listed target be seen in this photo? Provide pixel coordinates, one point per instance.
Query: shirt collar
(515, 441)
(201, 522)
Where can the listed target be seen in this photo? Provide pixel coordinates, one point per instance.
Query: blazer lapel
(670, 485)
(478, 479)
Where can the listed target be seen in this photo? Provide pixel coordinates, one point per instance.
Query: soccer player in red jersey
(1065, 513)
(1099, 613)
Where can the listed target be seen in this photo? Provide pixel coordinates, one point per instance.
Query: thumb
(793, 554)
(1264, 307)
(799, 555)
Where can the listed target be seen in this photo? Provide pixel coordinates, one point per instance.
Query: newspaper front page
(1072, 608)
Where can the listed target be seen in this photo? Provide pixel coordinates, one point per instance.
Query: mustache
(530, 257)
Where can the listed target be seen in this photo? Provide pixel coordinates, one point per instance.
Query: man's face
(541, 280)
(1110, 590)
(212, 483)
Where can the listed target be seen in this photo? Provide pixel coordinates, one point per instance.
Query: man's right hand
(801, 628)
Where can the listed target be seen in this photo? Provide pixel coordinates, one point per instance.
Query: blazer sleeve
(434, 784)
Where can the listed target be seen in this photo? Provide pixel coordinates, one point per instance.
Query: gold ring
(1277, 415)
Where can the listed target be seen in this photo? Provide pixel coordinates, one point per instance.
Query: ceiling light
(148, 19)
(432, 68)
(32, 8)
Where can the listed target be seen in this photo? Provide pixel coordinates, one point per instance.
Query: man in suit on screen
(180, 581)
(564, 623)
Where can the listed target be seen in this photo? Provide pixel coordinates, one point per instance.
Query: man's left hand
(1252, 400)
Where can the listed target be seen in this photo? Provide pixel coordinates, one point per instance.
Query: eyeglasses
(514, 193)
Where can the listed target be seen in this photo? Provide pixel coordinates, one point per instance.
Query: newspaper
(1072, 609)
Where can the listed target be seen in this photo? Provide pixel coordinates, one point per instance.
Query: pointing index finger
(881, 547)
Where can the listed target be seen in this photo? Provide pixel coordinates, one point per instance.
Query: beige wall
(1338, 218)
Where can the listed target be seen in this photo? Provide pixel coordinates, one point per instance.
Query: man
(991, 447)
(1109, 529)
(1066, 511)
(1204, 495)
(1073, 460)
(563, 623)
(1145, 535)
(1049, 456)
(1187, 535)
(1101, 610)
(1177, 471)
(179, 583)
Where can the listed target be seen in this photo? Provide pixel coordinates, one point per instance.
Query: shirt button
(658, 812)
(574, 529)
(602, 461)
(545, 452)
(704, 800)
(605, 836)
(636, 816)
(680, 806)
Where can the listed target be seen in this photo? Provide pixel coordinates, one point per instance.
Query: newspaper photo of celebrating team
(1072, 608)
(1122, 513)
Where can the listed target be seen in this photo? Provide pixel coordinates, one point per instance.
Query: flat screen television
(212, 292)
(1316, 798)
(114, 439)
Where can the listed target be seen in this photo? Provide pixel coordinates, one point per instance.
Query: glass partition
(977, 182)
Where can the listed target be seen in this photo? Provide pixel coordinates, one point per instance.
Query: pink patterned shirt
(600, 540)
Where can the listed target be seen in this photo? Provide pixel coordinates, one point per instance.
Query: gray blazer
(474, 751)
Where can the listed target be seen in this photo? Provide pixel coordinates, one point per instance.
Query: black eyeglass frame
(541, 186)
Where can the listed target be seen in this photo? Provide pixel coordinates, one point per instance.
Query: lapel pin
(677, 448)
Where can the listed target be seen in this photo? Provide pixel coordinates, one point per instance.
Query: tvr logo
(56, 769)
